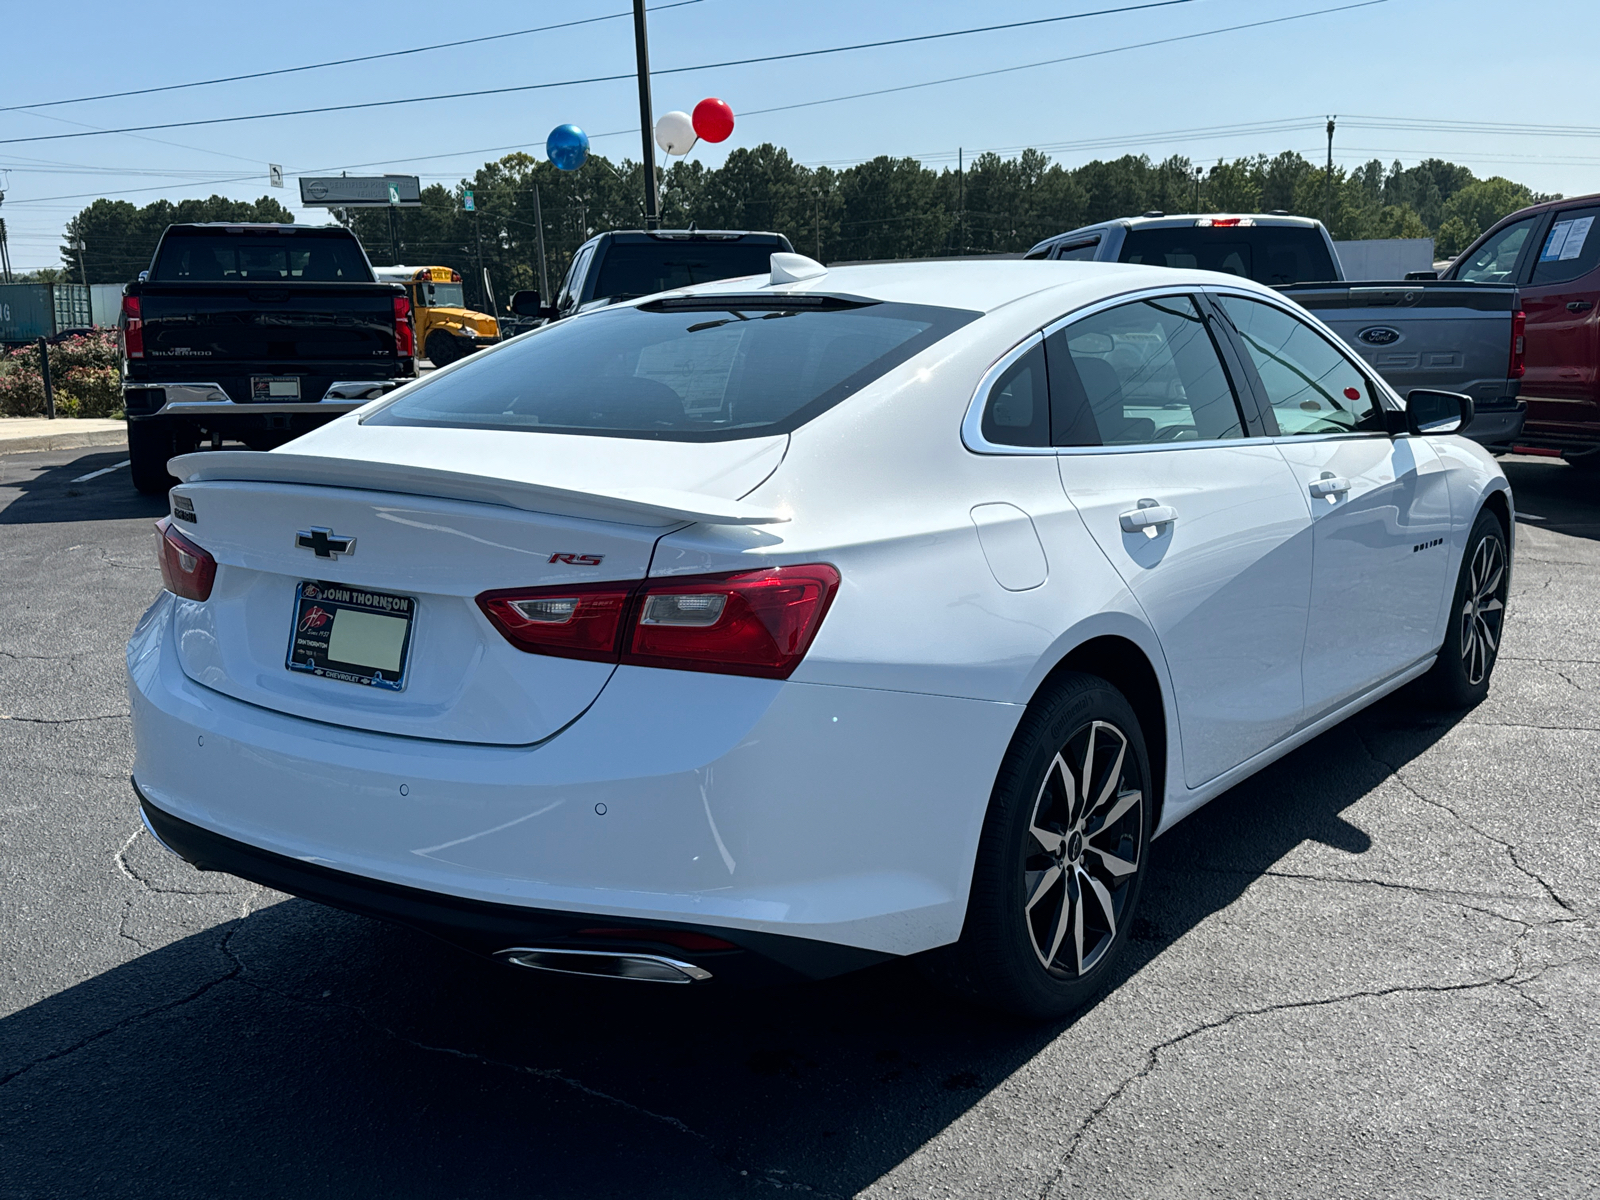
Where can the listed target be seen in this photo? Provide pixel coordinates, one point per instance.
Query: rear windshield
(254, 257)
(644, 268)
(1270, 254)
(733, 368)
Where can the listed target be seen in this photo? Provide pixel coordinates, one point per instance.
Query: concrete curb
(66, 440)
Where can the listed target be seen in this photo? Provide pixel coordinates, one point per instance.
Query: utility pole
(1198, 172)
(5, 252)
(471, 201)
(961, 201)
(1327, 191)
(77, 244)
(544, 278)
(816, 194)
(641, 46)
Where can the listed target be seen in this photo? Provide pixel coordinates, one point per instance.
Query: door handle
(1147, 516)
(1329, 485)
(1579, 305)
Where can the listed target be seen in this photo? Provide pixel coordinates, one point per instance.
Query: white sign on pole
(275, 174)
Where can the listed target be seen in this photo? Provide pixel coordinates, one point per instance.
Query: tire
(1460, 677)
(1060, 866)
(150, 445)
(441, 348)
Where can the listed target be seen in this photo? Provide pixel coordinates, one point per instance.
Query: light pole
(641, 46)
(1327, 191)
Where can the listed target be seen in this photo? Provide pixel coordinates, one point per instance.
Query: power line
(337, 62)
(735, 62)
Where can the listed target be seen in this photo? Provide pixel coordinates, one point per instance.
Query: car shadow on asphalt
(306, 1052)
(56, 492)
(1554, 495)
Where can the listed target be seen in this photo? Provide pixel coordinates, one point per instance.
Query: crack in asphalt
(1153, 1055)
(62, 720)
(1511, 850)
(123, 865)
(135, 1018)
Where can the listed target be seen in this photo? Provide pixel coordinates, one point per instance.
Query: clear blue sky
(1422, 60)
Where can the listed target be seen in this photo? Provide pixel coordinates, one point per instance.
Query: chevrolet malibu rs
(774, 627)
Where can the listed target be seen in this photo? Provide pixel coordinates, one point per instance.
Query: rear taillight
(187, 570)
(132, 328)
(583, 621)
(757, 623)
(405, 338)
(1518, 366)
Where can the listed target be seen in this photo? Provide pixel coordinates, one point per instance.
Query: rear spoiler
(631, 506)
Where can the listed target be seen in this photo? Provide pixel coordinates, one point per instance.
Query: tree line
(887, 208)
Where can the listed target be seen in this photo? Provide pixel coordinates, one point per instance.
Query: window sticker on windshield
(1566, 239)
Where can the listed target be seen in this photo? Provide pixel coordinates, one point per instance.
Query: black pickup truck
(255, 333)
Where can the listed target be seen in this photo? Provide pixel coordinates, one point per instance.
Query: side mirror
(1422, 274)
(1432, 412)
(526, 304)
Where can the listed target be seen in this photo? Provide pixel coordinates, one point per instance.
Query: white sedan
(782, 625)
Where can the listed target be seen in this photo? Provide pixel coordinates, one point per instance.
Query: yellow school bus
(446, 328)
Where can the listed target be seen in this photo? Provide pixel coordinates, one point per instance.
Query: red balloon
(713, 120)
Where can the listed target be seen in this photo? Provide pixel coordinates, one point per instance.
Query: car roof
(677, 235)
(982, 286)
(1182, 221)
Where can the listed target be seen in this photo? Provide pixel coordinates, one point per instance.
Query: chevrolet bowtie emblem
(324, 542)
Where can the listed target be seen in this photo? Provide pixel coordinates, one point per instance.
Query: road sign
(360, 191)
(275, 174)
(467, 201)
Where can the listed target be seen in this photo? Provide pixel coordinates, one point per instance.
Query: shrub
(85, 374)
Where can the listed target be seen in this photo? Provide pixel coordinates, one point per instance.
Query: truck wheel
(441, 348)
(150, 445)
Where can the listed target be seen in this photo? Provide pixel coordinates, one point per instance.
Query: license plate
(351, 634)
(271, 387)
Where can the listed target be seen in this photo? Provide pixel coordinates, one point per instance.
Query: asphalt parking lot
(1369, 971)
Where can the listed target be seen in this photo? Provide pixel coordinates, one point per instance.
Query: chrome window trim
(972, 423)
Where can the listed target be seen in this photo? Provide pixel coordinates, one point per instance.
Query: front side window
(692, 369)
(1570, 249)
(1312, 387)
(1146, 372)
(1496, 260)
(573, 283)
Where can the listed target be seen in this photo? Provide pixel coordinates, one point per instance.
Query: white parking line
(100, 472)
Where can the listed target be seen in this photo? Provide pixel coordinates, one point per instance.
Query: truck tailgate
(1425, 333)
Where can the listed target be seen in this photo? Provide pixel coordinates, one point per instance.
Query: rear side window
(1146, 372)
(1017, 411)
(642, 269)
(709, 369)
(1078, 251)
(1570, 249)
(256, 258)
(1496, 260)
(1270, 254)
(1312, 387)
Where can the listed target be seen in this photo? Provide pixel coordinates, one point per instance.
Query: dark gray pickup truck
(256, 333)
(1440, 335)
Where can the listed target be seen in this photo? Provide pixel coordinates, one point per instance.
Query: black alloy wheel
(1460, 677)
(1062, 857)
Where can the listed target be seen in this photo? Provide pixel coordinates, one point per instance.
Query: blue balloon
(567, 147)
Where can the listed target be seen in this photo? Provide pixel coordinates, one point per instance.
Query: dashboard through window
(687, 369)
(1312, 387)
(1146, 372)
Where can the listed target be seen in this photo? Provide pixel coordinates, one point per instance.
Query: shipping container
(30, 311)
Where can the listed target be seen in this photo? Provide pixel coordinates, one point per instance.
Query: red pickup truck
(1552, 253)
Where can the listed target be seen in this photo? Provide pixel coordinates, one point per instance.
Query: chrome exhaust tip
(609, 964)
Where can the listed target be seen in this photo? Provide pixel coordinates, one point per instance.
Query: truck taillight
(405, 338)
(187, 570)
(132, 328)
(1519, 345)
(758, 622)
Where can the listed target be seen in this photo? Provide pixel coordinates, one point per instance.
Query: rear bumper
(144, 400)
(488, 928)
(1497, 426)
(839, 815)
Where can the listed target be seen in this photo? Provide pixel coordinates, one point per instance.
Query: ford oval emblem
(1379, 335)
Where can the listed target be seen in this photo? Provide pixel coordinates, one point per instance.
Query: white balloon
(675, 133)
